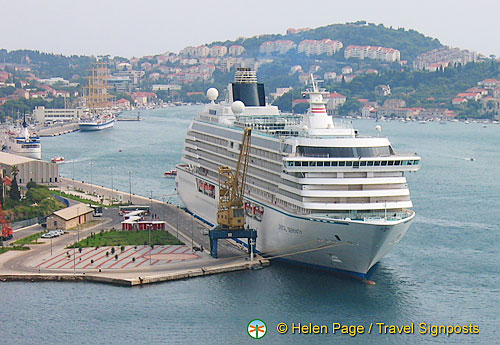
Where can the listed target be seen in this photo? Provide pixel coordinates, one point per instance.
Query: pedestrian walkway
(130, 257)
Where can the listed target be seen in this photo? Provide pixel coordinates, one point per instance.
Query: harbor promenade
(131, 265)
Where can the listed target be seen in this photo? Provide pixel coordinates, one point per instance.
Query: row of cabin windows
(355, 164)
(344, 152)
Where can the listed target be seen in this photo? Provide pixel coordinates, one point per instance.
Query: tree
(14, 193)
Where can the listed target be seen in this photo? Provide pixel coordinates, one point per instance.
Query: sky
(147, 27)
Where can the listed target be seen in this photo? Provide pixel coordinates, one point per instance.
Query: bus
(97, 210)
(129, 208)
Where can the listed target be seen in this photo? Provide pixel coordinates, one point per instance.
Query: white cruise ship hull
(350, 247)
(25, 149)
(35, 153)
(94, 126)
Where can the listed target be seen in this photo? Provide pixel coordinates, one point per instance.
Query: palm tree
(14, 188)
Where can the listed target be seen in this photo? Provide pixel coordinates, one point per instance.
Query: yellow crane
(230, 211)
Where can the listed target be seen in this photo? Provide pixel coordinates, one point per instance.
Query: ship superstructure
(317, 191)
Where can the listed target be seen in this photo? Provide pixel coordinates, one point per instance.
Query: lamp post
(78, 224)
(151, 204)
(73, 166)
(177, 213)
(130, 187)
(112, 186)
(91, 184)
(149, 235)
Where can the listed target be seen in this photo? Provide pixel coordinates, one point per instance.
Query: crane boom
(230, 212)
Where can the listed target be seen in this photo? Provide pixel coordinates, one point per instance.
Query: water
(444, 272)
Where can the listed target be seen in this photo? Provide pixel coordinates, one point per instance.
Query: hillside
(410, 42)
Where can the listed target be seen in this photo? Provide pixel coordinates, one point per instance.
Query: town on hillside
(361, 80)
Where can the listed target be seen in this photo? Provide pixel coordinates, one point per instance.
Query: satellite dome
(212, 94)
(238, 107)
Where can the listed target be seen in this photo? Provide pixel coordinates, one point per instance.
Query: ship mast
(97, 90)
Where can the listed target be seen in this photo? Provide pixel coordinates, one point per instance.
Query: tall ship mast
(98, 99)
(317, 192)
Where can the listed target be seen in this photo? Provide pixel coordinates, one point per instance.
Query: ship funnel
(245, 88)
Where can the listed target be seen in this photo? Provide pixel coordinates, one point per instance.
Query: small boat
(170, 173)
(57, 160)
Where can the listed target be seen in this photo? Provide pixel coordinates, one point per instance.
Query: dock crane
(230, 209)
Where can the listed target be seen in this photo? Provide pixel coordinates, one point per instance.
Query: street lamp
(73, 166)
(130, 187)
(78, 224)
(91, 185)
(112, 185)
(149, 235)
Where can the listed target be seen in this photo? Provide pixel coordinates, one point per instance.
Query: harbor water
(443, 272)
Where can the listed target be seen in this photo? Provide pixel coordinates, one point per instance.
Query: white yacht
(22, 143)
(317, 192)
(96, 123)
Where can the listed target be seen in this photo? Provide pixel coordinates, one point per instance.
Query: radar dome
(238, 107)
(212, 94)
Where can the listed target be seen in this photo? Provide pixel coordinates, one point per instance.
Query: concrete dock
(134, 265)
(56, 130)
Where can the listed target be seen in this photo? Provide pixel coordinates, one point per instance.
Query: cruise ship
(23, 143)
(318, 192)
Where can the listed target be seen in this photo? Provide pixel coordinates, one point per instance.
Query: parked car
(58, 232)
(47, 235)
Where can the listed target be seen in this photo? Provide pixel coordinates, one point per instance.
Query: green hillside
(410, 42)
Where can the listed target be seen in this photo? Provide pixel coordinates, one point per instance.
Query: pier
(55, 130)
(133, 265)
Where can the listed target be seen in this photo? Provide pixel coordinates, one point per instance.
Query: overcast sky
(137, 28)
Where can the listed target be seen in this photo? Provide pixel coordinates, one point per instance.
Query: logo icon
(257, 329)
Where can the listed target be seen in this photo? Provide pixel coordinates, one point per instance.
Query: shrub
(112, 250)
(122, 248)
(92, 261)
(133, 259)
(80, 249)
(107, 254)
(116, 256)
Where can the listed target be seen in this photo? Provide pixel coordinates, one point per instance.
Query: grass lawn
(31, 239)
(127, 238)
(6, 249)
(83, 200)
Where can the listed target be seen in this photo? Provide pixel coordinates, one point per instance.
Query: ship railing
(367, 216)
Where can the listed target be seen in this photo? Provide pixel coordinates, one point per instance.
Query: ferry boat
(97, 123)
(170, 173)
(57, 159)
(23, 143)
(318, 193)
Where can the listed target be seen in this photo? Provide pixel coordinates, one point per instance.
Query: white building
(334, 101)
(279, 46)
(218, 51)
(43, 115)
(236, 50)
(372, 52)
(317, 47)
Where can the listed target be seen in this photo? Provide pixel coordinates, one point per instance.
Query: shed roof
(10, 159)
(73, 211)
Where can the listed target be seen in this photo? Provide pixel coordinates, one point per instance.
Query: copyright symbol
(282, 328)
